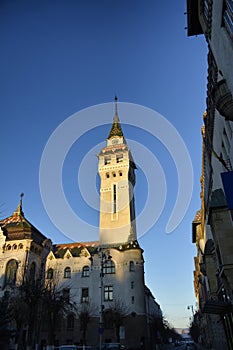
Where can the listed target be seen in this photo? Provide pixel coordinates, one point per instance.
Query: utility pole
(104, 256)
(101, 328)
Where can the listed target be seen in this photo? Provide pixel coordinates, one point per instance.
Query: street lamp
(104, 256)
(190, 307)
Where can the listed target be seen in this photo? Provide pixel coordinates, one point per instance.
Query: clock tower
(116, 169)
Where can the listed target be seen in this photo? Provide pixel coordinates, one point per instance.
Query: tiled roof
(16, 219)
(17, 226)
(116, 128)
(75, 248)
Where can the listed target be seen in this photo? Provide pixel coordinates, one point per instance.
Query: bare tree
(57, 304)
(85, 311)
(5, 320)
(25, 302)
(118, 312)
(33, 302)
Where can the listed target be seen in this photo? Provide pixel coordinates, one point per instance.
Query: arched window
(67, 272)
(131, 266)
(70, 321)
(14, 246)
(8, 247)
(20, 246)
(86, 271)
(107, 175)
(108, 267)
(50, 273)
(11, 271)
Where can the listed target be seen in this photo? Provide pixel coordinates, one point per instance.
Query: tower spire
(116, 126)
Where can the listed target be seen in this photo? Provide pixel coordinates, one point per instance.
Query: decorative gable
(67, 254)
(51, 256)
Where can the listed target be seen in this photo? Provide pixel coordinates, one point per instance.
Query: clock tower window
(107, 160)
(119, 158)
(114, 199)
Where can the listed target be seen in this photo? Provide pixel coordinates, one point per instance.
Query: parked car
(67, 347)
(111, 346)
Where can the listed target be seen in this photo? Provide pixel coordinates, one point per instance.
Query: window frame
(131, 266)
(108, 293)
(227, 17)
(85, 295)
(67, 272)
(86, 271)
(11, 272)
(109, 267)
(49, 274)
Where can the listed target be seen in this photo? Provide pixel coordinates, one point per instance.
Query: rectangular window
(84, 298)
(227, 19)
(114, 199)
(119, 158)
(131, 266)
(107, 160)
(108, 267)
(108, 293)
(228, 16)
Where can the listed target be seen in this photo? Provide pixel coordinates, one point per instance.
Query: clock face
(115, 141)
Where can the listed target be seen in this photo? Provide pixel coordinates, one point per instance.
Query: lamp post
(101, 299)
(190, 307)
(104, 256)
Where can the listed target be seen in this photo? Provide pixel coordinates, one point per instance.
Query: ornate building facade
(213, 226)
(104, 280)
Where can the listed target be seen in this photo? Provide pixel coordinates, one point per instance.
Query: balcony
(217, 307)
(223, 99)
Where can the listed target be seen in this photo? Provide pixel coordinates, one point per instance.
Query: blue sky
(59, 57)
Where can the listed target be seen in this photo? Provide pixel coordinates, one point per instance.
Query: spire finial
(116, 99)
(19, 210)
(21, 199)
